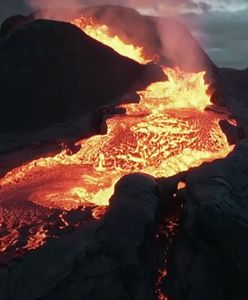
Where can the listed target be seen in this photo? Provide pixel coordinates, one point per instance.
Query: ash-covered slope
(51, 71)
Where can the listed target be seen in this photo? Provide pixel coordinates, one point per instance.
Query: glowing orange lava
(167, 132)
(152, 137)
(102, 33)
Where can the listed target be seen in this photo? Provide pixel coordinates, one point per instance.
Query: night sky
(221, 26)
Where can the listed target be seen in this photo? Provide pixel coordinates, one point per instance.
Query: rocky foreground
(114, 258)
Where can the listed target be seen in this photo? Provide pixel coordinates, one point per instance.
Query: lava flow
(167, 132)
(102, 33)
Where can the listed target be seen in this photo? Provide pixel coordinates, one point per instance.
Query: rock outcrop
(109, 259)
(209, 258)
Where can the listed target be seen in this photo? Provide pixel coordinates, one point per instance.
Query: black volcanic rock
(14, 22)
(209, 259)
(107, 259)
(51, 71)
(237, 82)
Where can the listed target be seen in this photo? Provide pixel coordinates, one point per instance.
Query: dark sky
(221, 26)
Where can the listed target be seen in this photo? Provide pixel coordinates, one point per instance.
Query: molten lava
(167, 132)
(103, 34)
(152, 137)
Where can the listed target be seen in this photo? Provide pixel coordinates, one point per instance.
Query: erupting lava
(167, 132)
(103, 34)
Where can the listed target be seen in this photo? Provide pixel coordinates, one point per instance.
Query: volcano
(123, 165)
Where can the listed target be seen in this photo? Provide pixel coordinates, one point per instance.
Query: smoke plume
(155, 6)
(177, 43)
(56, 9)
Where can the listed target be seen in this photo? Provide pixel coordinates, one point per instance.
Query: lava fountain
(167, 132)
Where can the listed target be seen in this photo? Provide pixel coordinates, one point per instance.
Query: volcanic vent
(171, 129)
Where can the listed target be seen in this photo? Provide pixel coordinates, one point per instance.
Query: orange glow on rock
(181, 185)
(160, 294)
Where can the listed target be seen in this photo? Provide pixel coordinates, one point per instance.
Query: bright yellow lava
(102, 33)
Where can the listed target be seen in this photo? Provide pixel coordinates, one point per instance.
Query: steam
(178, 46)
(71, 7)
(56, 9)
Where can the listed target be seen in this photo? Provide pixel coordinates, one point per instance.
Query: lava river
(167, 132)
